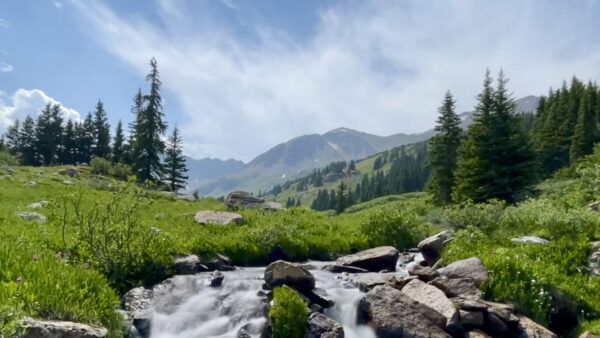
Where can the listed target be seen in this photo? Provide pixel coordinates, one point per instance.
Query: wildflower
(35, 258)
(19, 280)
(85, 265)
(59, 254)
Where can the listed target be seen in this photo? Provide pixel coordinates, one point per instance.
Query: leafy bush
(288, 314)
(484, 216)
(121, 171)
(399, 227)
(7, 159)
(100, 166)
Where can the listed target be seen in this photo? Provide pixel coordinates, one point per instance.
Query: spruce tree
(443, 152)
(148, 146)
(48, 134)
(175, 168)
(585, 132)
(2, 143)
(340, 205)
(101, 145)
(84, 134)
(28, 142)
(118, 148)
(13, 138)
(69, 149)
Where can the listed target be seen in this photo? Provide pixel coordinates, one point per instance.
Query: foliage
(399, 227)
(174, 165)
(100, 166)
(288, 314)
(7, 159)
(101, 132)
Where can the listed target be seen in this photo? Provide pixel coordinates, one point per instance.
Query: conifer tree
(13, 138)
(175, 168)
(585, 132)
(27, 142)
(84, 134)
(340, 205)
(118, 148)
(148, 146)
(69, 149)
(48, 134)
(443, 152)
(2, 143)
(101, 145)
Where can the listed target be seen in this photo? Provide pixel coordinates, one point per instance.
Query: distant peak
(341, 130)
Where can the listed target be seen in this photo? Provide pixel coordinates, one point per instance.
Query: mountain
(297, 157)
(208, 170)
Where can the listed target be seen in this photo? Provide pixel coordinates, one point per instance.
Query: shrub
(100, 166)
(121, 171)
(7, 159)
(288, 314)
(399, 227)
(485, 216)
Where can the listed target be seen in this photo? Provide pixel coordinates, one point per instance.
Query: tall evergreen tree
(84, 134)
(48, 134)
(101, 145)
(13, 137)
(586, 129)
(2, 143)
(443, 152)
(118, 148)
(149, 127)
(341, 198)
(28, 142)
(175, 168)
(69, 142)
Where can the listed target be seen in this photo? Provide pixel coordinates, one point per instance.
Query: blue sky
(242, 76)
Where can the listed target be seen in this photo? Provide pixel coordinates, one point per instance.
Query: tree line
(503, 153)
(50, 140)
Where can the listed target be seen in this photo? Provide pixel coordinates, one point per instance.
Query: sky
(241, 76)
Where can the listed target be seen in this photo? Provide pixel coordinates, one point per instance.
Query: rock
(339, 269)
(137, 301)
(467, 268)
(375, 260)
(435, 299)
(37, 205)
(320, 297)
(458, 287)
(242, 333)
(530, 239)
(432, 246)
(321, 326)
(594, 206)
(277, 254)
(533, 329)
(71, 172)
(58, 329)
(273, 206)
(221, 262)
(290, 274)
(594, 260)
(217, 217)
(188, 265)
(216, 278)
(7, 169)
(476, 334)
(392, 313)
(32, 216)
(496, 326)
(189, 198)
(424, 273)
(30, 184)
(472, 318)
(242, 199)
(469, 304)
(588, 334)
(67, 182)
(368, 281)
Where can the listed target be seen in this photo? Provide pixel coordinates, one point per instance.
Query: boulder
(38, 205)
(530, 239)
(277, 254)
(467, 268)
(392, 313)
(472, 318)
(67, 182)
(435, 299)
(588, 334)
(368, 281)
(71, 172)
(30, 184)
(273, 206)
(321, 326)
(496, 327)
(32, 216)
(594, 206)
(242, 199)
(375, 260)
(137, 300)
(476, 334)
(458, 287)
(188, 265)
(339, 269)
(217, 217)
(533, 329)
(290, 274)
(221, 262)
(320, 297)
(216, 278)
(432, 246)
(58, 329)
(242, 333)
(424, 273)
(594, 260)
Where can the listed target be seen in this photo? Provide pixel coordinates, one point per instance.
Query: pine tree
(175, 168)
(149, 127)
(28, 142)
(13, 138)
(443, 152)
(118, 148)
(2, 143)
(585, 132)
(84, 134)
(69, 141)
(101, 145)
(340, 205)
(48, 134)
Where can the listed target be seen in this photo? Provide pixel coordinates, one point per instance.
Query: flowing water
(188, 307)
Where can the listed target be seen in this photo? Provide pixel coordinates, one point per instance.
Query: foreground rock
(321, 326)
(138, 304)
(533, 329)
(368, 281)
(594, 206)
(216, 278)
(218, 217)
(32, 216)
(392, 313)
(530, 239)
(431, 247)
(242, 199)
(273, 206)
(188, 265)
(375, 260)
(424, 273)
(594, 260)
(37, 205)
(467, 268)
(435, 299)
(290, 274)
(59, 329)
(458, 287)
(71, 172)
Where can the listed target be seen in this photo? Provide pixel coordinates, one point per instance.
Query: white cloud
(5, 67)
(4, 23)
(27, 102)
(58, 4)
(377, 66)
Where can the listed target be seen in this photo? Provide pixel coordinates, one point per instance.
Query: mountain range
(298, 156)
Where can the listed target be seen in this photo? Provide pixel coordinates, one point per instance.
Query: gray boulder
(594, 206)
(71, 172)
(375, 260)
(458, 287)
(30, 184)
(467, 268)
(435, 299)
(594, 260)
(290, 274)
(339, 269)
(533, 329)
(188, 265)
(37, 205)
(32, 216)
(273, 206)
(424, 273)
(218, 217)
(530, 239)
(476, 334)
(392, 313)
(138, 304)
(58, 329)
(321, 326)
(242, 199)
(431, 247)
(320, 297)
(368, 281)
(472, 318)
(216, 278)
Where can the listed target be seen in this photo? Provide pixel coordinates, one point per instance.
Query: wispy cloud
(58, 4)
(4, 23)
(376, 66)
(5, 67)
(27, 102)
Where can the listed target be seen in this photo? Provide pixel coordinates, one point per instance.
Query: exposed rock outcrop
(375, 260)
(321, 326)
(432, 246)
(435, 299)
(530, 239)
(58, 329)
(594, 260)
(218, 217)
(71, 172)
(188, 265)
(32, 216)
(458, 287)
(467, 268)
(242, 199)
(290, 274)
